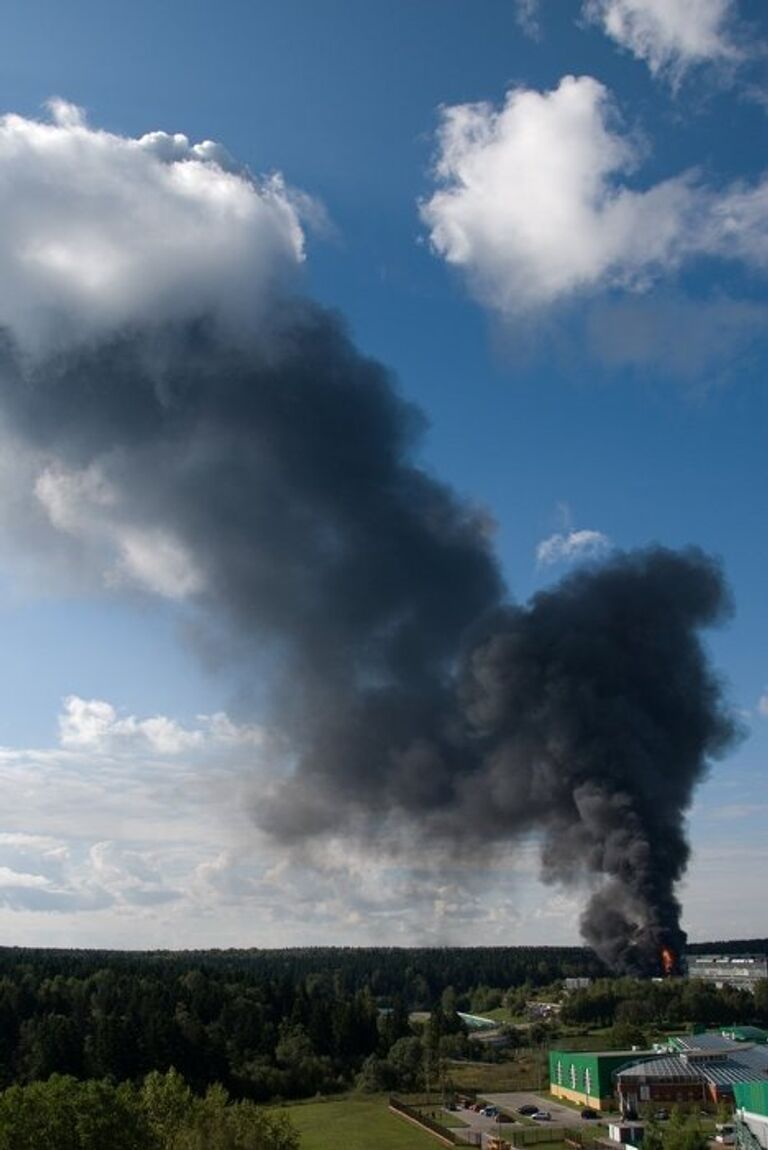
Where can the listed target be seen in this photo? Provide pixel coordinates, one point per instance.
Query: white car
(541, 1116)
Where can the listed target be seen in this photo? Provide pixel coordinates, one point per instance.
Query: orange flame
(667, 960)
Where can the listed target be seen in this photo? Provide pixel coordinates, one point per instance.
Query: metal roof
(705, 1041)
(727, 1073)
(668, 1066)
(756, 1057)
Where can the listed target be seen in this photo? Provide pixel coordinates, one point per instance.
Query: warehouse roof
(756, 1057)
(746, 1033)
(742, 1066)
(705, 1041)
(727, 1072)
(667, 1066)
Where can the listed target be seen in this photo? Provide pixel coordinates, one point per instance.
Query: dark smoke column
(412, 701)
(202, 432)
(600, 713)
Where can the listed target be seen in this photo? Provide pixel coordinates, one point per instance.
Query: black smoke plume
(407, 689)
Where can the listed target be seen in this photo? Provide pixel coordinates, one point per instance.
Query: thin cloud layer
(100, 230)
(534, 203)
(671, 36)
(570, 547)
(527, 16)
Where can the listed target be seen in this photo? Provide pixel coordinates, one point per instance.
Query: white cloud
(669, 35)
(534, 204)
(139, 849)
(562, 548)
(99, 230)
(94, 724)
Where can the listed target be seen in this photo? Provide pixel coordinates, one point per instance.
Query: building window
(559, 1073)
(587, 1082)
(573, 1077)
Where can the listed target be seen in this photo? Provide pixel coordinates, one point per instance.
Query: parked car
(491, 1112)
(541, 1116)
(588, 1112)
(661, 1115)
(528, 1110)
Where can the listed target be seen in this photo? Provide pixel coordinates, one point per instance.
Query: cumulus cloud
(669, 35)
(94, 724)
(570, 547)
(100, 230)
(534, 202)
(137, 850)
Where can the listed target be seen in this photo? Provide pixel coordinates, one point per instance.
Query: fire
(667, 960)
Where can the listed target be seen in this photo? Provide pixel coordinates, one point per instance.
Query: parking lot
(560, 1115)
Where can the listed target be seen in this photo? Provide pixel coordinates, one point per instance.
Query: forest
(206, 1035)
(271, 1024)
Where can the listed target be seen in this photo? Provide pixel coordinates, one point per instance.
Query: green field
(356, 1124)
(522, 1073)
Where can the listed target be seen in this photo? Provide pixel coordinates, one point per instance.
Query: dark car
(528, 1110)
(588, 1112)
(661, 1115)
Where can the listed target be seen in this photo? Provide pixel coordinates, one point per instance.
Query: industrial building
(741, 970)
(693, 1068)
(587, 1077)
(752, 1115)
(746, 1034)
(696, 1068)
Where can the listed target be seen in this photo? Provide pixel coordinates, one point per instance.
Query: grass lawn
(521, 1073)
(356, 1124)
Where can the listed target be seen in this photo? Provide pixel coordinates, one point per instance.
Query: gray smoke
(405, 686)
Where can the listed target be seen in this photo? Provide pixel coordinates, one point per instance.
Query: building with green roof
(587, 1077)
(745, 1034)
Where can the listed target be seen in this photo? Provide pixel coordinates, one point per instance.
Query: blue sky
(596, 373)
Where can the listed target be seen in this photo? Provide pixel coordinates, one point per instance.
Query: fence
(531, 1136)
(411, 1114)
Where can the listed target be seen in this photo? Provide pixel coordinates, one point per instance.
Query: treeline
(260, 1038)
(264, 1024)
(161, 1113)
(270, 1025)
(418, 975)
(665, 1004)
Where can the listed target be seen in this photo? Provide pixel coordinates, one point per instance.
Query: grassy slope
(356, 1124)
(520, 1074)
